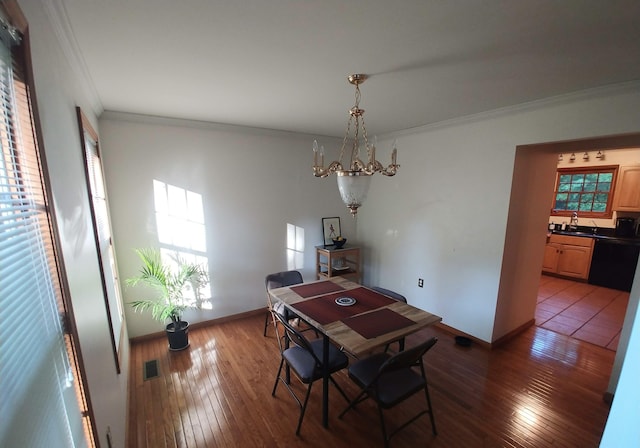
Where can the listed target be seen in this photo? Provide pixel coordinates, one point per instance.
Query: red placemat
(316, 289)
(378, 322)
(325, 310)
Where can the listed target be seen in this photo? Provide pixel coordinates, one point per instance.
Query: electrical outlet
(420, 283)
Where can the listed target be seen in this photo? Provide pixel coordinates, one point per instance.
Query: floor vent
(150, 370)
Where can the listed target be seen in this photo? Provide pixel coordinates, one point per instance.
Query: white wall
(534, 174)
(443, 217)
(58, 89)
(625, 335)
(622, 429)
(253, 183)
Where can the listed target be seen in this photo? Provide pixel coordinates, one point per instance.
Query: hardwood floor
(590, 313)
(542, 389)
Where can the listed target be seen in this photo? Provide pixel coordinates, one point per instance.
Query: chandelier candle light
(354, 180)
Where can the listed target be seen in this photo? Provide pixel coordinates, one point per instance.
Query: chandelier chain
(356, 148)
(344, 140)
(366, 140)
(355, 154)
(358, 114)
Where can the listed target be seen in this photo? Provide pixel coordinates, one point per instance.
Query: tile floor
(590, 313)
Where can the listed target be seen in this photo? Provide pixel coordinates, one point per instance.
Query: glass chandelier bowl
(353, 186)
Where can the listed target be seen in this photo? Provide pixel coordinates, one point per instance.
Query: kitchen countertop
(600, 234)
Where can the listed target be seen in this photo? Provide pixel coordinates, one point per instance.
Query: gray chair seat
(305, 360)
(304, 363)
(392, 387)
(391, 379)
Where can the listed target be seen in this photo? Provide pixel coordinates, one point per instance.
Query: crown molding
(156, 120)
(59, 20)
(558, 100)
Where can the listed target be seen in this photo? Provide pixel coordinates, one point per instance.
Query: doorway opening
(534, 172)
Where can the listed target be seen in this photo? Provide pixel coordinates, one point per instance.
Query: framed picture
(330, 230)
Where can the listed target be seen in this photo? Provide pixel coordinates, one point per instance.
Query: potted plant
(170, 283)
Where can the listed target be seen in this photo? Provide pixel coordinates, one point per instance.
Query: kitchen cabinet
(551, 255)
(569, 256)
(627, 195)
(332, 262)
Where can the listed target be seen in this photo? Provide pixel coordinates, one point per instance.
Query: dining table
(353, 317)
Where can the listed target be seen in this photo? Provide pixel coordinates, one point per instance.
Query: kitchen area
(601, 256)
(600, 242)
(592, 246)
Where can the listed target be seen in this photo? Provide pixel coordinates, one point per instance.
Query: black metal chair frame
(291, 334)
(388, 364)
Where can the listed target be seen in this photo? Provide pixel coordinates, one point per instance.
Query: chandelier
(354, 178)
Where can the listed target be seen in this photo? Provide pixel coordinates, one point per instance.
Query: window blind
(38, 404)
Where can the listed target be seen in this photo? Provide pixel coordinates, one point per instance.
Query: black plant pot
(178, 335)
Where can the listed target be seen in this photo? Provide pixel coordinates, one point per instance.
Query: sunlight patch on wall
(181, 233)
(295, 247)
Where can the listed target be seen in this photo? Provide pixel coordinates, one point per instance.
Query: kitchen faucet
(573, 225)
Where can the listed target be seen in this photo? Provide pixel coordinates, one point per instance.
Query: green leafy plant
(170, 284)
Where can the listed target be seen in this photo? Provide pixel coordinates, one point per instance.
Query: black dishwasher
(614, 263)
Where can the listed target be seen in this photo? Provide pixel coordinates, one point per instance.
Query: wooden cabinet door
(627, 194)
(574, 261)
(551, 254)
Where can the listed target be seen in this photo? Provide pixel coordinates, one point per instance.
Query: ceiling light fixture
(585, 156)
(600, 155)
(355, 178)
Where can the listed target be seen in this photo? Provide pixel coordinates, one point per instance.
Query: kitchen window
(588, 191)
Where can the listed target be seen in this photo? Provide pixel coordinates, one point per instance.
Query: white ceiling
(282, 64)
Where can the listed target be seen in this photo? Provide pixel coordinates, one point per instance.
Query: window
(42, 400)
(102, 232)
(588, 191)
